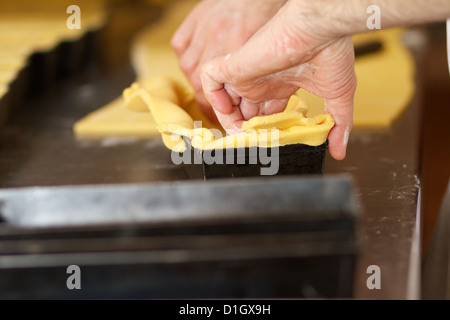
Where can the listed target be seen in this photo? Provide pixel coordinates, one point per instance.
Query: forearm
(347, 17)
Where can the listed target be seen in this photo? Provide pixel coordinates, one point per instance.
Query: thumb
(224, 103)
(213, 83)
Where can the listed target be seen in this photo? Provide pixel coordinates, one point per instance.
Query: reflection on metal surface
(311, 198)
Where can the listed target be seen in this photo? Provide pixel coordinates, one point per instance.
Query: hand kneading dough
(385, 88)
(169, 103)
(162, 89)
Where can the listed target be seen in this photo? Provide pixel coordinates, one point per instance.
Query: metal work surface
(38, 147)
(386, 167)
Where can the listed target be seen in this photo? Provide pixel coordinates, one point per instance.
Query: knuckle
(197, 83)
(177, 45)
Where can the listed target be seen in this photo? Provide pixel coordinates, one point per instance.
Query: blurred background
(435, 129)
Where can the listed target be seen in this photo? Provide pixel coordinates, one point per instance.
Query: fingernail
(346, 136)
(234, 130)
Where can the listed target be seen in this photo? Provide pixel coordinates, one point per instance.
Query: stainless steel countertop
(385, 166)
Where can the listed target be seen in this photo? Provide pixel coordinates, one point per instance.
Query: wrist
(338, 18)
(323, 19)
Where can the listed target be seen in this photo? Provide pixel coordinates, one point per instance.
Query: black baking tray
(293, 159)
(45, 71)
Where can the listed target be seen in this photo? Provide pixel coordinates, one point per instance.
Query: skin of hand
(215, 28)
(293, 50)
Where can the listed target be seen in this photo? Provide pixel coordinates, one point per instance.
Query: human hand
(215, 28)
(293, 50)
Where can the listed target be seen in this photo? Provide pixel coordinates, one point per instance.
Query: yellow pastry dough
(3, 90)
(114, 120)
(151, 56)
(169, 103)
(7, 76)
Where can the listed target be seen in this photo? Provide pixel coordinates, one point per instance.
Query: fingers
(255, 59)
(182, 37)
(225, 106)
(342, 111)
(214, 89)
(338, 141)
(341, 106)
(205, 107)
(249, 109)
(213, 48)
(190, 58)
(272, 49)
(189, 41)
(231, 122)
(203, 36)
